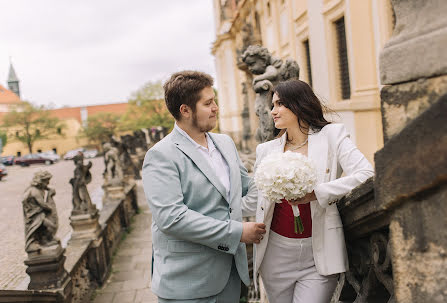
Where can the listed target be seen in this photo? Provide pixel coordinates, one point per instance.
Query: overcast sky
(87, 52)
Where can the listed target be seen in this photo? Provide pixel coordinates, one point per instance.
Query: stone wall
(395, 225)
(88, 261)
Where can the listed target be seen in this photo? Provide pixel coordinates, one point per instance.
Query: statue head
(257, 59)
(79, 158)
(106, 146)
(41, 179)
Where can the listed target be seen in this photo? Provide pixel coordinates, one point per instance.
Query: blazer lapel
(317, 152)
(191, 151)
(277, 147)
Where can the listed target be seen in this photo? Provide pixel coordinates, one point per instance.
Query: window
(59, 130)
(19, 154)
(39, 150)
(342, 58)
(308, 66)
(55, 150)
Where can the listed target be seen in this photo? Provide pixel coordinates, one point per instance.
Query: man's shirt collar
(211, 146)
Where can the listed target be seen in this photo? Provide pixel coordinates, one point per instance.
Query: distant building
(336, 44)
(10, 96)
(74, 118)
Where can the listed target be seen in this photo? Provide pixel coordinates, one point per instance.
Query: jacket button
(231, 210)
(262, 208)
(227, 249)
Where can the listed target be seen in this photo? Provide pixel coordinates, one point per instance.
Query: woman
(304, 267)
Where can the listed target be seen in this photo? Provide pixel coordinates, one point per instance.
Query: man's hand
(252, 232)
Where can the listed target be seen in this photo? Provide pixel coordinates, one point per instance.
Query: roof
(75, 112)
(8, 97)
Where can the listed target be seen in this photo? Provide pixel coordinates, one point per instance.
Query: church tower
(13, 82)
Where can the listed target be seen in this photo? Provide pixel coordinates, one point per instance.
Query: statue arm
(271, 74)
(39, 199)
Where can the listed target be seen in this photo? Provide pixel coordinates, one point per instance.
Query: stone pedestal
(85, 226)
(113, 192)
(46, 271)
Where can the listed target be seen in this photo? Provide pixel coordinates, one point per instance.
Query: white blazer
(333, 153)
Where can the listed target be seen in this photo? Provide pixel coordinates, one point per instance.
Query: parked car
(32, 159)
(90, 153)
(3, 171)
(7, 160)
(50, 155)
(72, 153)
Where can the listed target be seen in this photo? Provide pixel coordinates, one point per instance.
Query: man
(194, 182)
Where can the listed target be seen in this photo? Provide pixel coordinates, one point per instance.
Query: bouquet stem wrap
(297, 223)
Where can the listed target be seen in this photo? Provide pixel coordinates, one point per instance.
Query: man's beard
(195, 123)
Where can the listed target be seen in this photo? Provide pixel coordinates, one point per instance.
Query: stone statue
(268, 71)
(39, 212)
(113, 172)
(128, 166)
(140, 139)
(82, 204)
(130, 143)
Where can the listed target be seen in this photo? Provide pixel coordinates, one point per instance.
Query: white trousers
(289, 274)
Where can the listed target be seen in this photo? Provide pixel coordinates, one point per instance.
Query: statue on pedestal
(268, 72)
(113, 173)
(82, 204)
(40, 215)
(129, 169)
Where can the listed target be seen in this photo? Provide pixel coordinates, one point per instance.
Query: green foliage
(4, 138)
(29, 123)
(147, 109)
(101, 127)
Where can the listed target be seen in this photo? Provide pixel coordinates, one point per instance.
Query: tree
(29, 123)
(4, 138)
(100, 127)
(147, 109)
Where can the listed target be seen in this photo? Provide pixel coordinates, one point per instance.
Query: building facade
(336, 44)
(73, 117)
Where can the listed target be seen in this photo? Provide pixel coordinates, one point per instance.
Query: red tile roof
(7, 96)
(75, 112)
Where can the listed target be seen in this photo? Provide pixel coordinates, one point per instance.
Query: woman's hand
(306, 199)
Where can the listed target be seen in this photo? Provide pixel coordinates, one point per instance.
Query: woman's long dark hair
(297, 96)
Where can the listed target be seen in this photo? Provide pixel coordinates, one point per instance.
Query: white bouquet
(282, 177)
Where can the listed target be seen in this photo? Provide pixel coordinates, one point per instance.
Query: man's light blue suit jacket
(196, 232)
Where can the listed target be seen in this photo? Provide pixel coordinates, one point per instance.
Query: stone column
(411, 169)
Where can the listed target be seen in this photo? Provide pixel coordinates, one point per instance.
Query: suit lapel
(234, 170)
(191, 151)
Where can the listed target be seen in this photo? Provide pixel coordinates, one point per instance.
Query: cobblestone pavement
(131, 267)
(12, 252)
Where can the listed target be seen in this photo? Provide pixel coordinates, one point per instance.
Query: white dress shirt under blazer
(213, 157)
